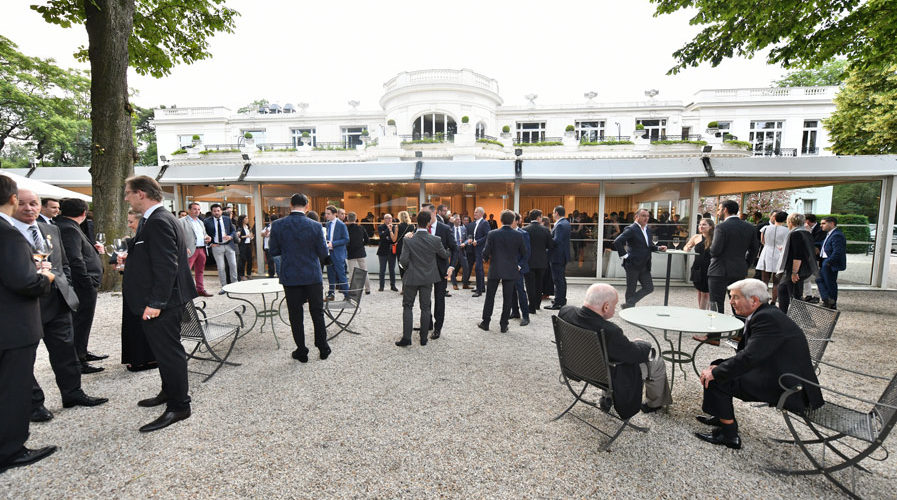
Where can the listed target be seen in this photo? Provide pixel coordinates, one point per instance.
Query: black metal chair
(342, 312)
(818, 324)
(197, 328)
(583, 357)
(838, 428)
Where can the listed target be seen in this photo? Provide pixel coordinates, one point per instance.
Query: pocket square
(139, 243)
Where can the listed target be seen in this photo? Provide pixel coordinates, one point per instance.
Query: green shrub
(713, 125)
(209, 151)
(364, 132)
(305, 135)
(465, 119)
(391, 123)
(247, 135)
(506, 129)
(740, 144)
(329, 148)
(195, 137)
(605, 143)
(426, 140)
(489, 141)
(639, 126)
(180, 151)
(570, 128)
(859, 231)
(683, 141)
(541, 144)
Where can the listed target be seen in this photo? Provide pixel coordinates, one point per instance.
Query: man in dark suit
(504, 249)
(520, 305)
(734, 245)
(49, 209)
(476, 235)
(444, 233)
(87, 273)
(56, 312)
(771, 345)
(442, 214)
(20, 288)
(337, 239)
(559, 255)
(834, 259)
(634, 246)
(818, 235)
(156, 285)
(541, 243)
(299, 242)
(459, 257)
(420, 253)
(222, 231)
(635, 365)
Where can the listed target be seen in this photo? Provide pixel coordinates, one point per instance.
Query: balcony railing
(523, 142)
(427, 138)
(273, 146)
(809, 151)
(689, 137)
(333, 146)
(221, 147)
(776, 152)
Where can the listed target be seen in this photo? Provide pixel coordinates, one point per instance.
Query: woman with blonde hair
(405, 226)
(700, 243)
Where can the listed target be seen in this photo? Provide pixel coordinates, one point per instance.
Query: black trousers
(478, 270)
(471, 256)
(439, 304)
(520, 302)
(16, 367)
(59, 341)
(548, 281)
(459, 262)
(507, 298)
(559, 278)
(718, 398)
(269, 261)
(387, 260)
(718, 286)
(296, 297)
(163, 334)
(789, 291)
(534, 280)
(244, 263)
(634, 276)
(82, 319)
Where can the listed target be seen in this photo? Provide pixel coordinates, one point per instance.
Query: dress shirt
(149, 211)
(25, 229)
(822, 250)
(458, 234)
(219, 228)
(199, 231)
(433, 228)
(12, 222)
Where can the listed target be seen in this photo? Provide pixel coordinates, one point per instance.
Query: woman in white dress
(773, 239)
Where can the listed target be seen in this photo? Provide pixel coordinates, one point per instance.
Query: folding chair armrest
(879, 377)
(797, 388)
(242, 310)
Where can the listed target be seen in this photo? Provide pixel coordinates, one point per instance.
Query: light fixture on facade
(590, 95)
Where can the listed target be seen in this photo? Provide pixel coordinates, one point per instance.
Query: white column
(178, 202)
(695, 214)
(884, 232)
(256, 191)
(599, 258)
(517, 196)
(423, 194)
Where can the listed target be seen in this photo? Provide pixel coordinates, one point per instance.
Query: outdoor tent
(43, 189)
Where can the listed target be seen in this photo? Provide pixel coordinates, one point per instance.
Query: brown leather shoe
(203, 293)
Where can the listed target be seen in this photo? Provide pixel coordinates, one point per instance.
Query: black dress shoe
(41, 414)
(477, 294)
(403, 343)
(514, 316)
(394, 289)
(95, 357)
(300, 356)
(714, 421)
(504, 329)
(325, 353)
(146, 366)
(553, 307)
(27, 457)
(650, 409)
(482, 325)
(423, 341)
(166, 419)
(88, 368)
(84, 400)
(605, 403)
(532, 311)
(718, 437)
(435, 335)
(156, 400)
(380, 290)
(447, 294)
(524, 322)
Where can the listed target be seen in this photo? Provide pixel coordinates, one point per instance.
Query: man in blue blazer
(558, 256)
(834, 259)
(223, 232)
(476, 235)
(337, 239)
(299, 242)
(634, 246)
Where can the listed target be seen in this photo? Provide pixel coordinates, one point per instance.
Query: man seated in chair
(771, 345)
(633, 357)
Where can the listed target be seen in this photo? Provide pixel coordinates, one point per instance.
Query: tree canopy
(865, 117)
(830, 73)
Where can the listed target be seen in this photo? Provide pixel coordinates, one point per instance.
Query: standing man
(223, 232)
(520, 305)
(634, 247)
(540, 243)
(818, 234)
(834, 259)
(442, 214)
(49, 209)
(476, 235)
(337, 239)
(734, 245)
(87, 274)
(504, 249)
(299, 242)
(155, 287)
(20, 288)
(459, 257)
(559, 255)
(197, 239)
(355, 250)
(420, 252)
(444, 233)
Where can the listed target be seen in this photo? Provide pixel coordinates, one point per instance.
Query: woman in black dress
(244, 239)
(700, 243)
(136, 354)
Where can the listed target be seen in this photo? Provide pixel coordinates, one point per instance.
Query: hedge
(857, 233)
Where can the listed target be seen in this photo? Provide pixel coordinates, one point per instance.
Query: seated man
(771, 345)
(633, 357)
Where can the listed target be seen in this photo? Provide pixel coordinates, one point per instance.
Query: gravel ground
(468, 415)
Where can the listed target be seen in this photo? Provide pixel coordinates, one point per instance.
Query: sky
(327, 53)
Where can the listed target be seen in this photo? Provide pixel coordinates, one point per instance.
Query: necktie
(330, 231)
(220, 231)
(36, 238)
(458, 234)
(140, 224)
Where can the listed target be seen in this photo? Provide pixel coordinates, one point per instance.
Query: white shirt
(822, 251)
(12, 222)
(25, 229)
(199, 231)
(433, 228)
(247, 239)
(149, 211)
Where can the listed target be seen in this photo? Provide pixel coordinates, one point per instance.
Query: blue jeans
(522, 302)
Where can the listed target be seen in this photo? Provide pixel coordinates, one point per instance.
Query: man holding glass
(634, 245)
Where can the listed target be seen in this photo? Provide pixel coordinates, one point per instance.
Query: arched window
(434, 125)
(481, 130)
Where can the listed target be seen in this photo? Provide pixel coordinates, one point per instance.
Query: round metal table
(268, 311)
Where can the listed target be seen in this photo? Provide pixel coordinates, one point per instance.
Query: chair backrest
(582, 354)
(356, 285)
(888, 415)
(817, 323)
(191, 326)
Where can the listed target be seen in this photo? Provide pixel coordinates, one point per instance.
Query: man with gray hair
(771, 345)
(635, 364)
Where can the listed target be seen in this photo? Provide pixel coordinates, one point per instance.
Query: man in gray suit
(418, 257)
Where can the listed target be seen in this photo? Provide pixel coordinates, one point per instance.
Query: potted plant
(306, 138)
(713, 128)
(364, 132)
(247, 135)
(465, 119)
(639, 131)
(196, 139)
(569, 130)
(391, 127)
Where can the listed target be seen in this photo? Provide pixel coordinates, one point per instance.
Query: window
(809, 207)
(808, 145)
(481, 130)
(590, 131)
(431, 124)
(258, 135)
(766, 138)
(187, 140)
(655, 129)
(724, 125)
(296, 136)
(351, 136)
(530, 132)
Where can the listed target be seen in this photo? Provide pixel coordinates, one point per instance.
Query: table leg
(255, 312)
(666, 292)
(268, 315)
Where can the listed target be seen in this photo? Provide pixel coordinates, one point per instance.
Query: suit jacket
(540, 243)
(627, 375)
(447, 236)
(524, 260)
(385, 246)
(83, 259)
(560, 254)
(189, 235)
(418, 257)
(62, 287)
(226, 225)
(340, 239)
(632, 241)
(734, 245)
(771, 345)
(358, 238)
(504, 249)
(835, 247)
(478, 233)
(157, 273)
(20, 287)
(300, 243)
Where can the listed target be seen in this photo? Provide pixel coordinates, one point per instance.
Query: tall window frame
(296, 136)
(351, 136)
(590, 130)
(530, 132)
(655, 128)
(766, 137)
(810, 137)
(429, 125)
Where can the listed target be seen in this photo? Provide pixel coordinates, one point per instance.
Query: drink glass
(712, 312)
(121, 248)
(101, 239)
(675, 242)
(654, 239)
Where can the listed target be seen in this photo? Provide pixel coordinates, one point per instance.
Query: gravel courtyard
(468, 415)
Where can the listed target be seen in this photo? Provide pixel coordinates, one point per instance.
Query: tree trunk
(109, 25)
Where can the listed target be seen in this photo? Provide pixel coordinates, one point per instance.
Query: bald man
(636, 365)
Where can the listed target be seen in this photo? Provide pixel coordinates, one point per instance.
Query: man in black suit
(441, 214)
(772, 345)
(635, 364)
(634, 247)
(541, 242)
(503, 249)
(87, 273)
(49, 209)
(20, 288)
(156, 285)
(444, 233)
(559, 255)
(476, 235)
(520, 305)
(818, 236)
(56, 312)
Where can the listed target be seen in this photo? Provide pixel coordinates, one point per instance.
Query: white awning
(612, 169)
(202, 174)
(467, 170)
(396, 171)
(806, 167)
(43, 189)
(78, 176)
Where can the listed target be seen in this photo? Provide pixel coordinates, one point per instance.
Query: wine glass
(676, 241)
(654, 239)
(121, 248)
(712, 311)
(40, 253)
(101, 239)
(110, 250)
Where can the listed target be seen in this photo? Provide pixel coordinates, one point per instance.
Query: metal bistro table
(670, 253)
(685, 320)
(268, 311)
